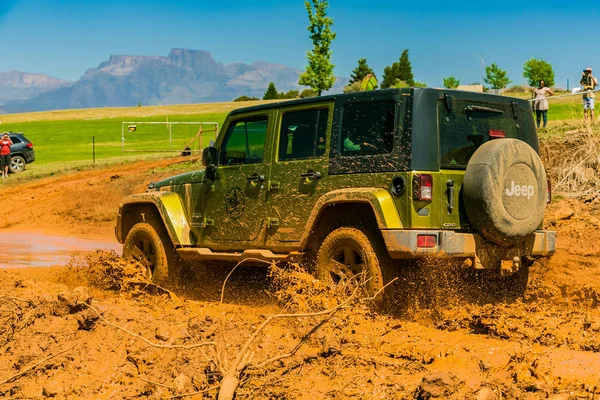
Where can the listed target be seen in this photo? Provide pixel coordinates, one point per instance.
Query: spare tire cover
(505, 191)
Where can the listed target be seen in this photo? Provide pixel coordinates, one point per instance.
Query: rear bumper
(402, 244)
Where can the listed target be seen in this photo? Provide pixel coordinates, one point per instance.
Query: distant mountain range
(15, 85)
(184, 76)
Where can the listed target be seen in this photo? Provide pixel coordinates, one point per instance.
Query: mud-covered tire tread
(168, 265)
(380, 266)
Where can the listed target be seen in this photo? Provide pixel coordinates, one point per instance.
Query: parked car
(357, 183)
(21, 151)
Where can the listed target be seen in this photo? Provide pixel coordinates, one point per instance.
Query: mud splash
(26, 249)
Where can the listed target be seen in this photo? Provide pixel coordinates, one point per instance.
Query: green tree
(496, 77)
(398, 71)
(308, 93)
(319, 71)
(361, 71)
(390, 76)
(353, 87)
(290, 94)
(271, 92)
(401, 84)
(246, 98)
(405, 69)
(536, 70)
(451, 82)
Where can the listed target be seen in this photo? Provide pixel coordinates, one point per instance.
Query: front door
(299, 169)
(236, 206)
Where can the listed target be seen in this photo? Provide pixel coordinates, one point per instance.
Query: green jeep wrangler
(355, 183)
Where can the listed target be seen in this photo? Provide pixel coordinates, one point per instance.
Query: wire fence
(167, 137)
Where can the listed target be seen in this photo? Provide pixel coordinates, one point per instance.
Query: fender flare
(380, 200)
(171, 211)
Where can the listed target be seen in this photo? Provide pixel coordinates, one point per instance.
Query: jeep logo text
(520, 190)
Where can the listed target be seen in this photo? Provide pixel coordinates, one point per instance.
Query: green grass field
(63, 139)
(64, 142)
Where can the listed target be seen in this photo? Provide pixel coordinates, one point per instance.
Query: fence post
(93, 151)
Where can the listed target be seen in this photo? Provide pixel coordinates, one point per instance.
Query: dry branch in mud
(243, 360)
(15, 315)
(36, 364)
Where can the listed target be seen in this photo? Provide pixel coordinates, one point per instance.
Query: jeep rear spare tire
(505, 191)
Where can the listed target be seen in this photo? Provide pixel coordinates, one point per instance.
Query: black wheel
(347, 252)
(152, 250)
(17, 164)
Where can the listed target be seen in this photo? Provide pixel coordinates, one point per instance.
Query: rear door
(462, 130)
(299, 168)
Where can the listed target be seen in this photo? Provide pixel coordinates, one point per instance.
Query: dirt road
(546, 345)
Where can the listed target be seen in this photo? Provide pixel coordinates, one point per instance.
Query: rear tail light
(496, 133)
(426, 241)
(423, 187)
(30, 145)
(549, 200)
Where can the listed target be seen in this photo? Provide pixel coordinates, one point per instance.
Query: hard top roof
(369, 95)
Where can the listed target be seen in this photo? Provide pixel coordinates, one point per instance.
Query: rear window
(468, 125)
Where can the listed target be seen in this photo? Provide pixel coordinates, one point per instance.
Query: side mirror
(209, 156)
(209, 160)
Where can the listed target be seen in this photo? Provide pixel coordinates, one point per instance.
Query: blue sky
(64, 38)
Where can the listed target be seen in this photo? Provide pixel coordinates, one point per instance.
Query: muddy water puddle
(25, 249)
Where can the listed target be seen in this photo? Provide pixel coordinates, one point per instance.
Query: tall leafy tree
(535, 70)
(271, 93)
(496, 77)
(398, 71)
(361, 71)
(319, 71)
(451, 82)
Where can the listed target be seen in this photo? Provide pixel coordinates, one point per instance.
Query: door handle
(450, 191)
(311, 175)
(256, 178)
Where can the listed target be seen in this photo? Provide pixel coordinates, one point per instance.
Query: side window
(244, 142)
(303, 134)
(368, 128)
(15, 139)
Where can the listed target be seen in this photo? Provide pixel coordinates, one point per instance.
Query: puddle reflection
(37, 250)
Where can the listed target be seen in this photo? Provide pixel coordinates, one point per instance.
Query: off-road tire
(152, 247)
(17, 164)
(349, 251)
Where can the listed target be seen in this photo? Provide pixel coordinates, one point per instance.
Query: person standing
(589, 83)
(540, 104)
(5, 144)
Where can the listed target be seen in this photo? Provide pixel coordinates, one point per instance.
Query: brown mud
(437, 344)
